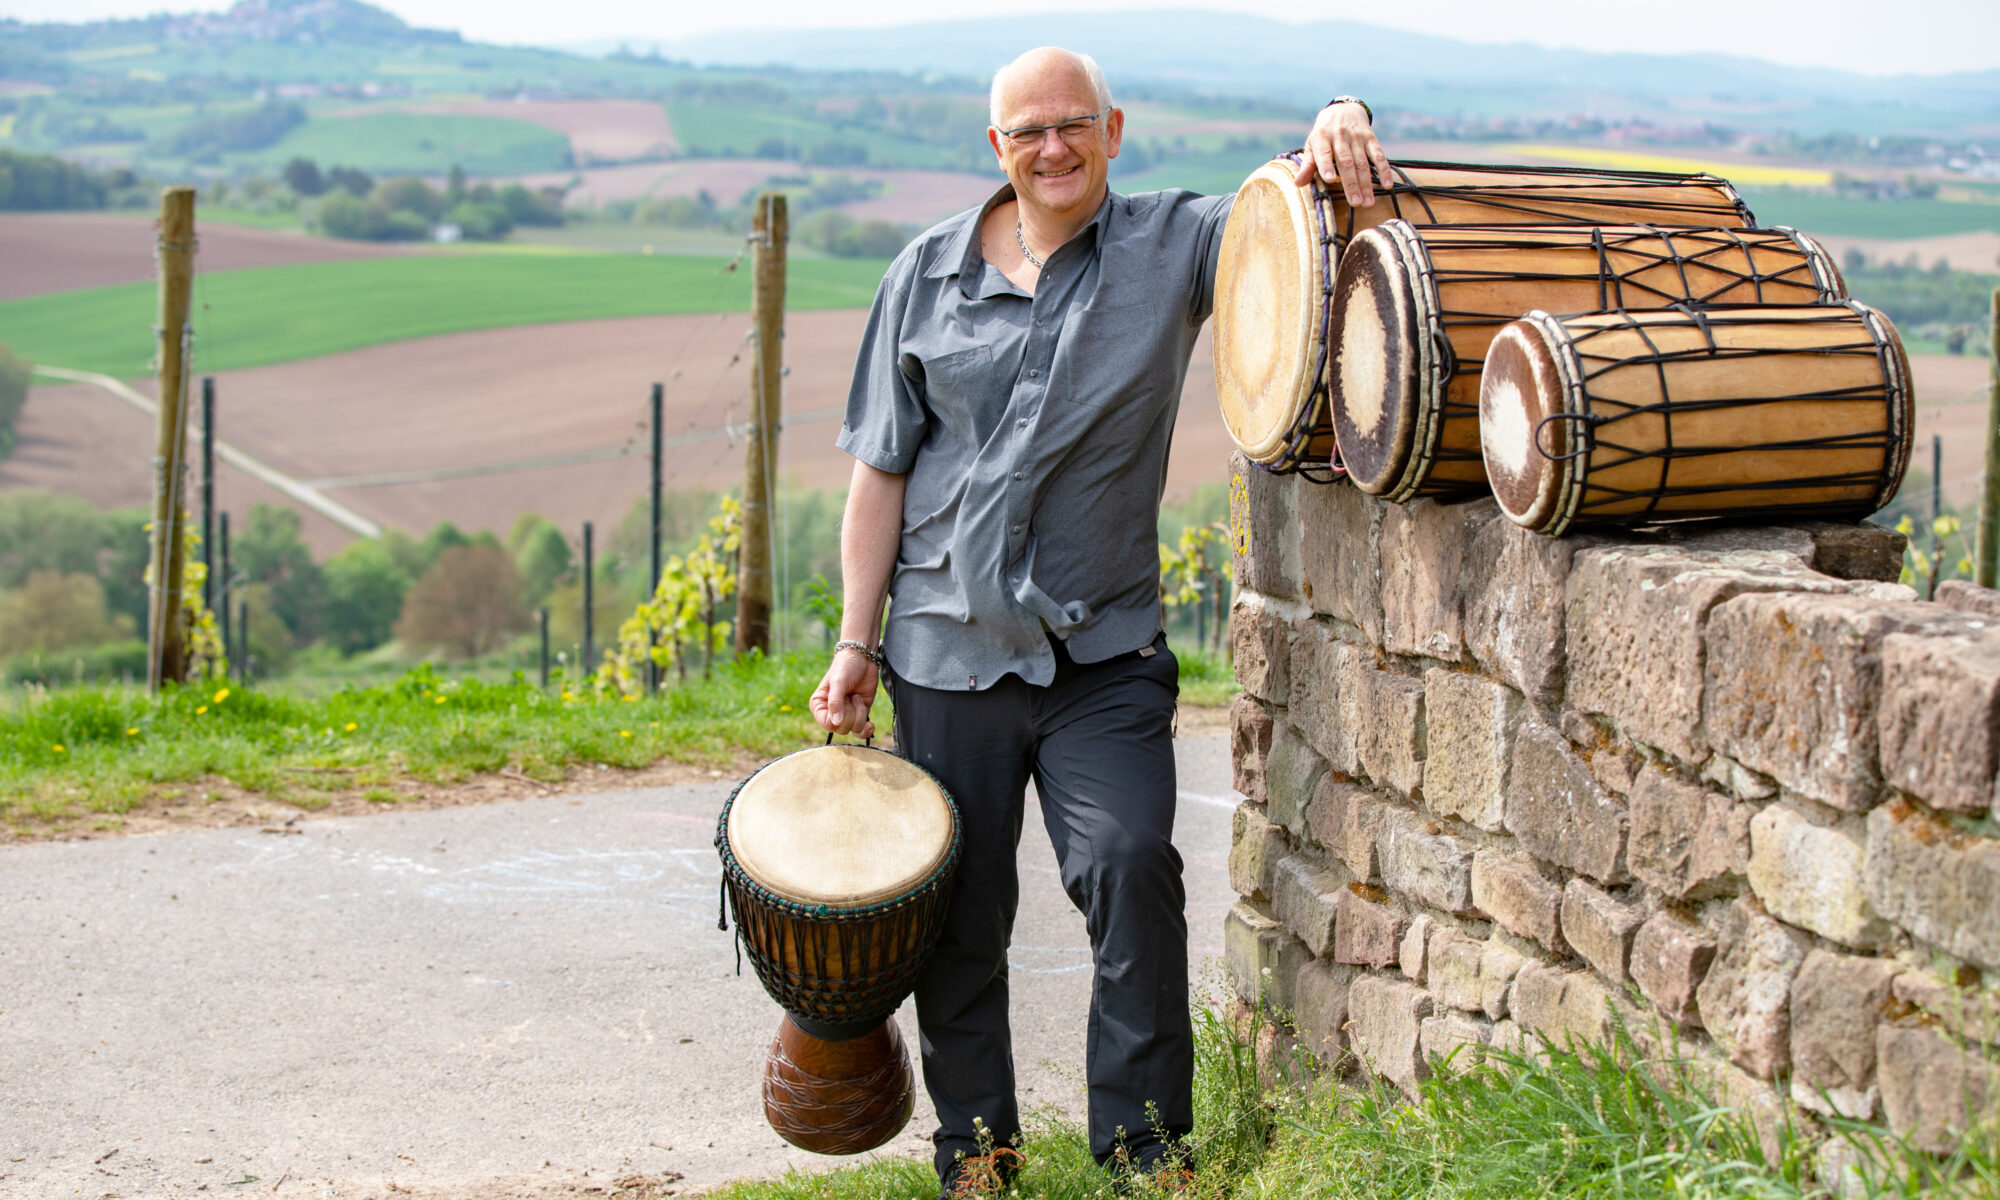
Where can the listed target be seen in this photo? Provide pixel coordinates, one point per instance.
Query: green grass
(1825, 214)
(87, 750)
(711, 129)
(432, 142)
(1560, 1124)
(280, 314)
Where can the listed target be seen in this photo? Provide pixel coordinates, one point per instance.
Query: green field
(432, 142)
(280, 314)
(736, 132)
(1824, 214)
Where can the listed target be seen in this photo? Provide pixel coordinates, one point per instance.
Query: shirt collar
(960, 254)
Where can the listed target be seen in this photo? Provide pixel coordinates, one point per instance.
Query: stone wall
(1730, 783)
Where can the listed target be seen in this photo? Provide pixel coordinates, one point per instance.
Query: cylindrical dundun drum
(1629, 417)
(1416, 309)
(1282, 247)
(837, 862)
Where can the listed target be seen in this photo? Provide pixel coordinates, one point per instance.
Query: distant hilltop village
(300, 21)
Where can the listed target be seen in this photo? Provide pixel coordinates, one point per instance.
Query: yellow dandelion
(132, 732)
(784, 708)
(58, 748)
(440, 699)
(568, 695)
(221, 695)
(201, 710)
(624, 733)
(351, 727)
(769, 699)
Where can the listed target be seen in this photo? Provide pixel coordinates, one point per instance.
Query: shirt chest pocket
(960, 384)
(1116, 353)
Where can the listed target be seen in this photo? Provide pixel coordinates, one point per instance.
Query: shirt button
(1038, 322)
(1034, 372)
(1017, 475)
(1017, 529)
(1023, 422)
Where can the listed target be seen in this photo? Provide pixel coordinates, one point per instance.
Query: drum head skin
(1375, 369)
(1520, 386)
(842, 826)
(1267, 311)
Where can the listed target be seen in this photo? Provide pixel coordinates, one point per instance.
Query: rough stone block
(1326, 695)
(1339, 534)
(1689, 842)
(1470, 725)
(1794, 682)
(1263, 529)
(1346, 819)
(1837, 1001)
(1292, 770)
(1773, 538)
(1810, 875)
(1422, 862)
(1303, 900)
(1860, 551)
(1250, 731)
(1776, 1124)
(1424, 545)
(1636, 622)
(1600, 927)
(1745, 998)
(1385, 1019)
(1412, 956)
(1322, 1008)
(1736, 779)
(1558, 811)
(1670, 957)
(1260, 640)
(1508, 888)
(1453, 1040)
(1932, 1090)
(1939, 720)
(1499, 963)
(1961, 595)
(1255, 846)
(1249, 947)
(1941, 885)
(1513, 605)
(1454, 970)
(1367, 932)
(1964, 1010)
(1391, 733)
(1564, 1007)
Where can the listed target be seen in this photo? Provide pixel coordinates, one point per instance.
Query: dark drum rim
(1375, 285)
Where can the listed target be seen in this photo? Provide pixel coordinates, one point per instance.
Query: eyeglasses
(1072, 131)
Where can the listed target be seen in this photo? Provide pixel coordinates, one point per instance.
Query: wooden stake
(165, 660)
(753, 596)
(1987, 548)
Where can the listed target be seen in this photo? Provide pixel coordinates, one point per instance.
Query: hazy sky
(1872, 36)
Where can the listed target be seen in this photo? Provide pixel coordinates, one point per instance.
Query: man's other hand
(1342, 149)
(841, 702)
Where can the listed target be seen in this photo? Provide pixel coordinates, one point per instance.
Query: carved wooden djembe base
(838, 1097)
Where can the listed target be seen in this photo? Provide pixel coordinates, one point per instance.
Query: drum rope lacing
(863, 934)
(1518, 197)
(1591, 420)
(1735, 260)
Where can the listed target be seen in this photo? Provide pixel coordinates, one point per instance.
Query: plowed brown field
(54, 252)
(500, 396)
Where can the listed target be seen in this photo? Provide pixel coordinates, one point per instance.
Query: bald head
(1040, 72)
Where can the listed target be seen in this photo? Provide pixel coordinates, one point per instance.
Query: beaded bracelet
(874, 656)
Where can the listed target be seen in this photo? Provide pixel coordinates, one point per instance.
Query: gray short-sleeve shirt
(1034, 432)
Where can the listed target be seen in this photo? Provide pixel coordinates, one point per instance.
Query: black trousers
(1098, 743)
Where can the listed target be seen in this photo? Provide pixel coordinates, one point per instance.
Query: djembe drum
(1631, 417)
(837, 862)
(1416, 309)
(1282, 247)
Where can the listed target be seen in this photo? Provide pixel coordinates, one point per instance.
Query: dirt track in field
(499, 396)
(55, 252)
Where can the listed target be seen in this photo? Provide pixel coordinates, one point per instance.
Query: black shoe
(981, 1174)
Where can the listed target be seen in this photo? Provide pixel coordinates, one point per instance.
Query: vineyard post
(208, 491)
(767, 300)
(1937, 510)
(175, 248)
(588, 640)
(243, 640)
(543, 615)
(1985, 552)
(653, 579)
(222, 584)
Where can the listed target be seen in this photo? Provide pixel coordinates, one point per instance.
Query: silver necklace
(1022, 240)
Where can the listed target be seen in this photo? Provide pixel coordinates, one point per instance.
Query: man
(1009, 417)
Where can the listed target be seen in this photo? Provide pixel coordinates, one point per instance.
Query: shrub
(52, 611)
(123, 659)
(466, 606)
(302, 176)
(365, 586)
(13, 395)
(43, 181)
